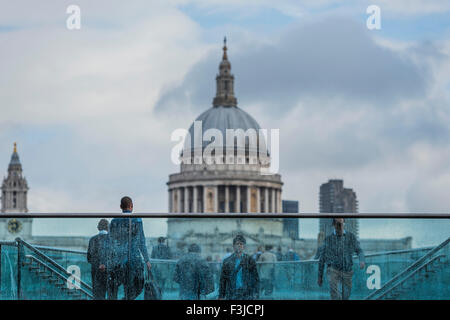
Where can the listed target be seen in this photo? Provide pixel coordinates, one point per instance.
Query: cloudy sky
(92, 110)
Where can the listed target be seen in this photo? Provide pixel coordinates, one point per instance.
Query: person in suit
(128, 250)
(97, 256)
(194, 275)
(239, 278)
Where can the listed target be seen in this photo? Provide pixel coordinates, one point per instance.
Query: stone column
(248, 199)
(273, 199)
(279, 200)
(204, 198)
(266, 200)
(170, 200)
(227, 199)
(238, 200)
(258, 199)
(179, 200)
(186, 199)
(195, 200)
(216, 199)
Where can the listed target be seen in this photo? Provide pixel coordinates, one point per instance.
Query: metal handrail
(411, 275)
(57, 273)
(8, 243)
(60, 249)
(52, 262)
(408, 269)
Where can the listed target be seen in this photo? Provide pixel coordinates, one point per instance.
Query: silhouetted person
(97, 256)
(291, 255)
(161, 269)
(337, 254)
(128, 249)
(279, 254)
(267, 270)
(239, 278)
(258, 252)
(194, 275)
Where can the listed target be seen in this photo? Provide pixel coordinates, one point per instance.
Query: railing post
(19, 268)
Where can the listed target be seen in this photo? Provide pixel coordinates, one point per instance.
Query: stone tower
(14, 193)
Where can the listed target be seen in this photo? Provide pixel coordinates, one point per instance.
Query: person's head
(239, 244)
(338, 224)
(103, 225)
(260, 248)
(161, 240)
(194, 248)
(126, 204)
(228, 250)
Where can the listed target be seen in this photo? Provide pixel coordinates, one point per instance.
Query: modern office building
(334, 198)
(291, 225)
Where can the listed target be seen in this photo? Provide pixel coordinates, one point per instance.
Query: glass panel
(403, 259)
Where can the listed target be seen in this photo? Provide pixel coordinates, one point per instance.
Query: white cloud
(82, 103)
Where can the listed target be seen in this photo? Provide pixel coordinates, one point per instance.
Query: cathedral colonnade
(225, 198)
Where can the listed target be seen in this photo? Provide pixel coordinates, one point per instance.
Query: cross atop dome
(224, 49)
(225, 82)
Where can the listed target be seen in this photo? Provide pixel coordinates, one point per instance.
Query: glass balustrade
(34, 271)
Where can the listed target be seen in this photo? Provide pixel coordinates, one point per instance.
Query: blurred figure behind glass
(97, 256)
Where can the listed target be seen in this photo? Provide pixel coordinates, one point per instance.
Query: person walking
(239, 278)
(194, 275)
(267, 270)
(128, 250)
(97, 256)
(337, 255)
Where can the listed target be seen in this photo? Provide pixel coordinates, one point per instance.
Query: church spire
(14, 187)
(225, 82)
(15, 161)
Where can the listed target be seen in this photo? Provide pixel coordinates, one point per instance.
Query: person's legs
(263, 286)
(333, 281)
(346, 284)
(269, 288)
(113, 283)
(102, 283)
(95, 285)
(133, 280)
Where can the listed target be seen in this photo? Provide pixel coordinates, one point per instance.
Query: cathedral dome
(223, 118)
(224, 115)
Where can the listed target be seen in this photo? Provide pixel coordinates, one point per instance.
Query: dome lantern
(225, 82)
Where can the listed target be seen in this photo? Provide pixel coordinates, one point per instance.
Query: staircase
(51, 275)
(424, 279)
